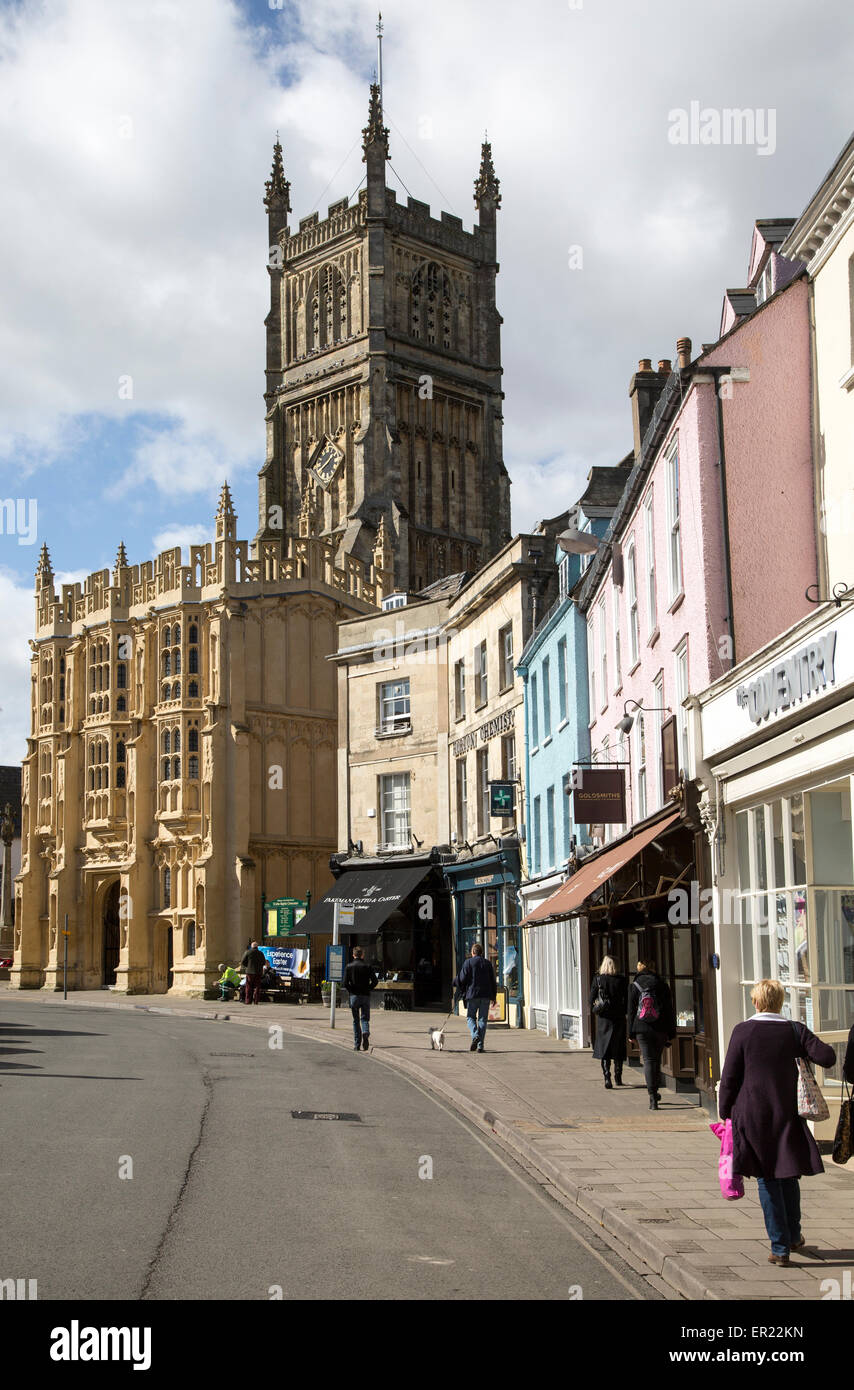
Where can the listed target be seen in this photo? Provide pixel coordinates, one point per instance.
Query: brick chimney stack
(645, 388)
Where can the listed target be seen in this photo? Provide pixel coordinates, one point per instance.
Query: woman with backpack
(608, 1002)
(759, 1093)
(652, 1021)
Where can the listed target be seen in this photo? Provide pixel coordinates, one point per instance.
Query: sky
(135, 138)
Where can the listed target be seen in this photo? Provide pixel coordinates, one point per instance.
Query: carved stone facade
(182, 762)
(384, 376)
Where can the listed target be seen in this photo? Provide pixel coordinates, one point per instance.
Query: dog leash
(450, 1016)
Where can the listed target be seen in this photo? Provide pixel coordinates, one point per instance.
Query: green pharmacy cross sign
(501, 799)
(282, 916)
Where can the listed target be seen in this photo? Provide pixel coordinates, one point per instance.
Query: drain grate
(323, 1115)
(231, 1054)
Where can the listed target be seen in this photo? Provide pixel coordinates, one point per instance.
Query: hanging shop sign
(599, 795)
(501, 799)
(669, 755)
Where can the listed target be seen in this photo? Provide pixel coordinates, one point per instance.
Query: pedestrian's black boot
(653, 1101)
(606, 1072)
(618, 1073)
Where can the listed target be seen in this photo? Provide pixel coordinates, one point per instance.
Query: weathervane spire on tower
(380, 56)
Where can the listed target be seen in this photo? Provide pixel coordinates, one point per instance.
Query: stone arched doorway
(111, 934)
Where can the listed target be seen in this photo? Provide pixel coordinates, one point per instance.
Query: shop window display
(796, 905)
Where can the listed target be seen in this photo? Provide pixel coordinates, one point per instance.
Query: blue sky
(134, 143)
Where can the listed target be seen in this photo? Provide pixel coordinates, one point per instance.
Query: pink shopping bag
(732, 1184)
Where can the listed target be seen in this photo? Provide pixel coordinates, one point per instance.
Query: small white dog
(437, 1039)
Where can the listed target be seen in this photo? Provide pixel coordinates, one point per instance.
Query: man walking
(360, 978)
(476, 983)
(253, 963)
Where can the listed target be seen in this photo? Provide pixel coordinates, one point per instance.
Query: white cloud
(184, 536)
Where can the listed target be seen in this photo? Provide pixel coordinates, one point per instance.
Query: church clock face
(326, 462)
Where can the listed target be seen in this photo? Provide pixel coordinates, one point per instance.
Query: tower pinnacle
(486, 185)
(45, 569)
(226, 518)
(278, 195)
(375, 134)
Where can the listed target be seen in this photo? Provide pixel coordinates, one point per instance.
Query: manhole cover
(323, 1115)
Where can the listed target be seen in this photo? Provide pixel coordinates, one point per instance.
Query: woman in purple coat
(759, 1093)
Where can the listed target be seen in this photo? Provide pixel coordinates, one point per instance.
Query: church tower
(383, 394)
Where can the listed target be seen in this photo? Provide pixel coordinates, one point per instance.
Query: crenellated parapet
(220, 568)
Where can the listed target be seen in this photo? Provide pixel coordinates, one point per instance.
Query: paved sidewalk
(649, 1179)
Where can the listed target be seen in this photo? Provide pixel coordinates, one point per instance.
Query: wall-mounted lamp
(575, 542)
(627, 721)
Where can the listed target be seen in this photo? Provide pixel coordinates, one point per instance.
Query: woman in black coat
(610, 1045)
(848, 1064)
(654, 1028)
(759, 1094)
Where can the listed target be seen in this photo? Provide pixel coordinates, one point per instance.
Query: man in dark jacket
(253, 963)
(360, 978)
(652, 1020)
(476, 983)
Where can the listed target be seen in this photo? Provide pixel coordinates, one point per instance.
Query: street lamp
(575, 542)
(625, 724)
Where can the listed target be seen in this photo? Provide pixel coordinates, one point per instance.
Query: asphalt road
(231, 1197)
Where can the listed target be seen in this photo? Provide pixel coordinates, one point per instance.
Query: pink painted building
(713, 546)
(706, 560)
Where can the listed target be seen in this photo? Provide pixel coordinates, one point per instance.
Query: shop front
(556, 953)
(777, 737)
(485, 897)
(639, 899)
(401, 918)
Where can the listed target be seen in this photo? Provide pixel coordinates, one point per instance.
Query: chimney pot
(645, 364)
(665, 365)
(683, 351)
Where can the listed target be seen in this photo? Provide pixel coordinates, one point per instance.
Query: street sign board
(346, 916)
(335, 964)
(501, 799)
(282, 916)
(599, 795)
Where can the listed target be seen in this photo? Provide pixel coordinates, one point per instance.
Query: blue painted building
(553, 667)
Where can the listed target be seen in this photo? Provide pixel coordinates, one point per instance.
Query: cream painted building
(823, 237)
(430, 715)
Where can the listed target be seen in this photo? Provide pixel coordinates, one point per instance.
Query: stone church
(181, 767)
